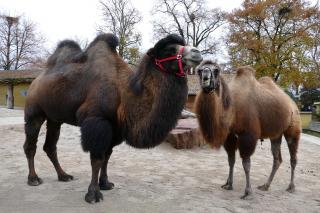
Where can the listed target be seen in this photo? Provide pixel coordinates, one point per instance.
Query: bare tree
(20, 46)
(191, 19)
(120, 17)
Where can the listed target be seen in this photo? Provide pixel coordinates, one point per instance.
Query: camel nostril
(205, 78)
(194, 50)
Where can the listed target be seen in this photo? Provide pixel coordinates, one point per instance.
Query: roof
(27, 76)
(18, 76)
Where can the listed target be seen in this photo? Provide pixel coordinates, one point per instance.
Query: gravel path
(157, 180)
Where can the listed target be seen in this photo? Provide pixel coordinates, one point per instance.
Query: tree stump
(186, 134)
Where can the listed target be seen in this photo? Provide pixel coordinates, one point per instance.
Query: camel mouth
(193, 62)
(205, 84)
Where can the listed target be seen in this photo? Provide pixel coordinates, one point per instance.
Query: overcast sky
(61, 19)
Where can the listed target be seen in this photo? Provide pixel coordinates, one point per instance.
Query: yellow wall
(3, 92)
(305, 119)
(19, 93)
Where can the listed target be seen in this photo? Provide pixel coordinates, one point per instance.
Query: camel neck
(153, 112)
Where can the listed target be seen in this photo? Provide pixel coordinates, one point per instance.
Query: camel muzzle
(206, 78)
(192, 56)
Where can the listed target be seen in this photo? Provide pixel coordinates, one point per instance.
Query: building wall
(306, 118)
(19, 93)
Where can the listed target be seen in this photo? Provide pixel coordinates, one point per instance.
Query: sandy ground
(157, 180)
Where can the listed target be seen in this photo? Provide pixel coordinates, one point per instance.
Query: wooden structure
(186, 135)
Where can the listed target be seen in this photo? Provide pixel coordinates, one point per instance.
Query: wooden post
(10, 98)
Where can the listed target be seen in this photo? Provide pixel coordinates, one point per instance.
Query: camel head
(209, 73)
(171, 55)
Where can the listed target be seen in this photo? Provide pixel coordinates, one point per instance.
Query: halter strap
(178, 57)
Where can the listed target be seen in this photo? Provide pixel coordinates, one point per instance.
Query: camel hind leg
(277, 160)
(50, 147)
(32, 128)
(293, 143)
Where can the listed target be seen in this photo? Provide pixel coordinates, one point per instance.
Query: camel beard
(150, 116)
(214, 118)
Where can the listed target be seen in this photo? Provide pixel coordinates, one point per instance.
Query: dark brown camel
(97, 91)
(238, 114)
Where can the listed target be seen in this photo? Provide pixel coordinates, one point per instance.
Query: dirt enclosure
(156, 180)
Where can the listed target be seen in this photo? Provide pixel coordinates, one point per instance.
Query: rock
(186, 134)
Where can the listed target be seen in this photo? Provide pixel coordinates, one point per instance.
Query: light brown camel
(237, 114)
(97, 91)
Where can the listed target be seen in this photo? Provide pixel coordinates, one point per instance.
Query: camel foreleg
(230, 147)
(104, 183)
(246, 163)
(247, 145)
(96, 136)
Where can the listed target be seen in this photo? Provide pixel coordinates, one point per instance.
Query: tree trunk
(10, 98)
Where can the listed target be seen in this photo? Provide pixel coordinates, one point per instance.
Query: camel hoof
(93, 196)
(105, 185)
(264, 187)
(65, 178)
(291, 188)
(34, 181)
(247, 195)
(227, 187)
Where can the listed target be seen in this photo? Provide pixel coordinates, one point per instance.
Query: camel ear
(226, 99)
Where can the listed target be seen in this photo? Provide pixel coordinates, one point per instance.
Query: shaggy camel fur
(238, 114)
(96, 90)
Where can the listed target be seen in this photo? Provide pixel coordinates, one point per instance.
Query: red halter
(181, 72)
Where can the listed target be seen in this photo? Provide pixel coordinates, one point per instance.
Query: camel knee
(277, 158)
(29, 149)
(231, 160)
(49, 148)
(293, 163)
(277, 163)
